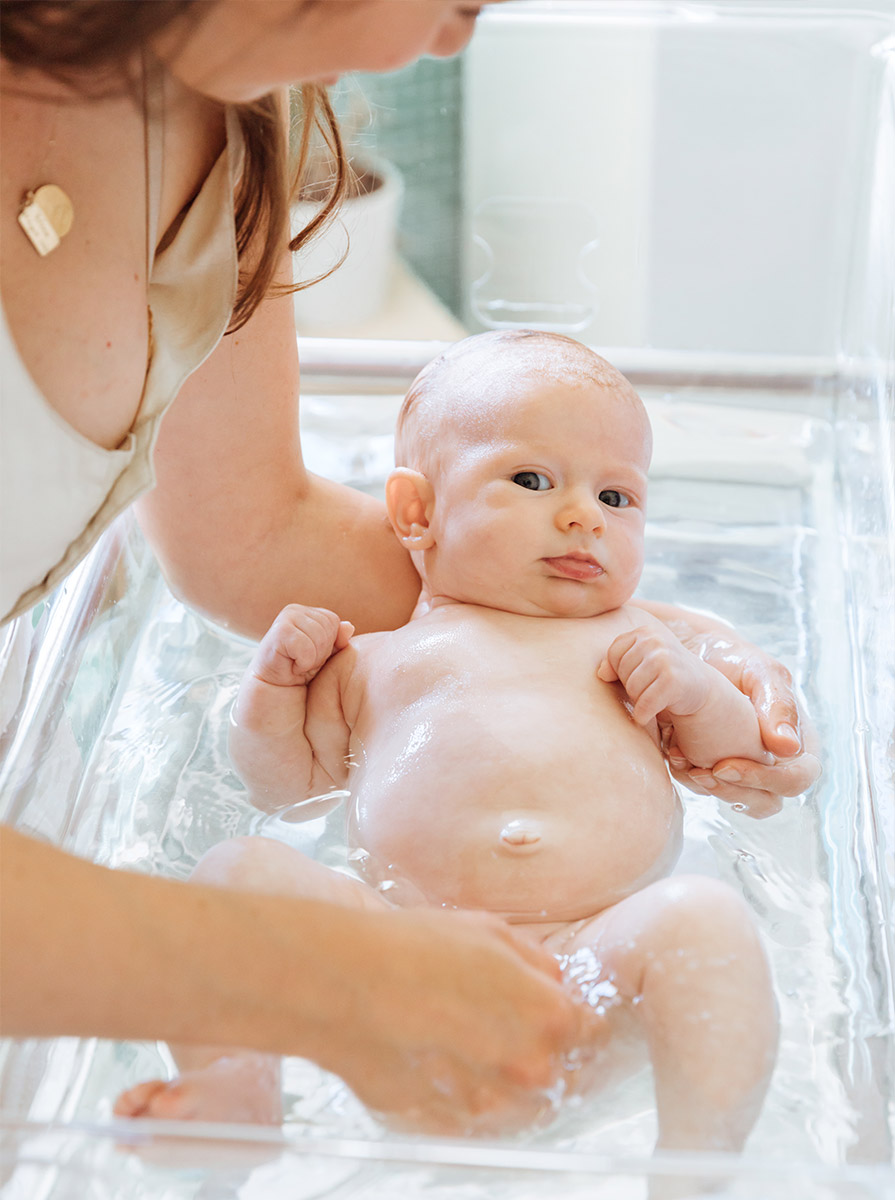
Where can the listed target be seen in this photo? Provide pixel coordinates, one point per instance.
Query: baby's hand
(658, 674)
(297, 645)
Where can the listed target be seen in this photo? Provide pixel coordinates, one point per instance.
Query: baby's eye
(614, 499)
(533, 480)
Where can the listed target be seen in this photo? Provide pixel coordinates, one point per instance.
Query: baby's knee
(244, 863)
(706, 917)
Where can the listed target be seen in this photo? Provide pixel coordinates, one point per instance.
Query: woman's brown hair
(70, 38)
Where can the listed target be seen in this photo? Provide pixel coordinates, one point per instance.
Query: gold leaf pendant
(46, 215)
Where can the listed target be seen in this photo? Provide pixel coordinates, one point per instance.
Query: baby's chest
(545, 668)
(519, 729)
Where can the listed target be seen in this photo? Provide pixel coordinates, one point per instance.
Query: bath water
(752, 517)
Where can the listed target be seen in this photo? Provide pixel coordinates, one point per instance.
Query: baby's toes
(137, 1101)
(175, 1101)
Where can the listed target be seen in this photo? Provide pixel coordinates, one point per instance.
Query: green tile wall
(413, 117)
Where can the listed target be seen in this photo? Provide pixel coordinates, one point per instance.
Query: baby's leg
(223, 1083)
(692, 980)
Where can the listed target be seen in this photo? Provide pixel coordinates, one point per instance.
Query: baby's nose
(583, 510)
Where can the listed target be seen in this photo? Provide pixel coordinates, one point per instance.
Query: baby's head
(521, 476)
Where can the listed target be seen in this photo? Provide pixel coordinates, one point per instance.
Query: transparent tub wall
(750, 522)
(771, 504)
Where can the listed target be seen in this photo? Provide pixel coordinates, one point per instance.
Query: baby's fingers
(297, 645)
(607, 672)
(344, 635)
(619, 648)
(318, 625)
(654, 698)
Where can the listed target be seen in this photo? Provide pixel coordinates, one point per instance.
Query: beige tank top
(58, 490)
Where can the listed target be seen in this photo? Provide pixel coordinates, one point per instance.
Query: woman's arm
(785, 730)
(380, 999)
(240, 526)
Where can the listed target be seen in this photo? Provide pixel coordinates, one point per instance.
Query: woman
(156, 121)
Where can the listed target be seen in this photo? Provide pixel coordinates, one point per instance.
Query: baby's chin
(580, 612)
(563, 599)
(570, 606)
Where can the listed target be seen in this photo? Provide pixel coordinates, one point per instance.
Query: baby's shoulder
(615, 621)
(362, 657)
(632, 616)
(601, 630)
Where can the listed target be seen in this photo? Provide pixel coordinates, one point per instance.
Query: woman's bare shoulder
(78, 315)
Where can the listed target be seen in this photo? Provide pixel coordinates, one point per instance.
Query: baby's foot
(243, 1088)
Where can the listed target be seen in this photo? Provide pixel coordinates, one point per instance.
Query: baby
(504, 749)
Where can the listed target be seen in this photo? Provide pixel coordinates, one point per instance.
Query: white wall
(689, 176)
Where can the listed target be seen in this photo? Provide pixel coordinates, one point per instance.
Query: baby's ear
(409, 498)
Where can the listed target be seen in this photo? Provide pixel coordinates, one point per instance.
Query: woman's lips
(575, 566)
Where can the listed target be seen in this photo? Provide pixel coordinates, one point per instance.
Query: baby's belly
(553, 836)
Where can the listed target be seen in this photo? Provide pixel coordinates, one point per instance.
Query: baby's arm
(711, 718)
(269, 742)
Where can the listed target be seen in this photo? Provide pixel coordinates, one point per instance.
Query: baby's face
(544, 514)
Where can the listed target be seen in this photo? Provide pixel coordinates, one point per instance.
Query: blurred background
(677, 176)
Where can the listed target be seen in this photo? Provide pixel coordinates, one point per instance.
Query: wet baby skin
(503, 749)
(490, 768)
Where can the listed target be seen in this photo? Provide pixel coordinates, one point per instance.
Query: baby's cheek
(634, 556)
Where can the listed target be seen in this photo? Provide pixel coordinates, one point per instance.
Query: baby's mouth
(576, 565)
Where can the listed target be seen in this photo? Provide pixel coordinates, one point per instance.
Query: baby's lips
(576, 565)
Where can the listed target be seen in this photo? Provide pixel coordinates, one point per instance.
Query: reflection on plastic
(311, 808)
(536, 256)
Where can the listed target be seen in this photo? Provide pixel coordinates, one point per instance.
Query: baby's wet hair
(472, 369)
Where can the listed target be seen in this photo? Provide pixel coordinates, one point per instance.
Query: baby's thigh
(687, 926)
(688, 930)
(260, 864)
(688, 917)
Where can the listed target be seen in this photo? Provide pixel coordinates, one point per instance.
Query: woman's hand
(785, 730)
(446, 1017)
(454, 1024)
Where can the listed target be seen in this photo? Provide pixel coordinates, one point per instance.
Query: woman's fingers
(752, 801)
(789, 778)
(769, 686)
(535, 955)
(785, 731)
(753, 787)
(466, 1018)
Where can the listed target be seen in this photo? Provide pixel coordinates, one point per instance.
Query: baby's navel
(522, 833)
